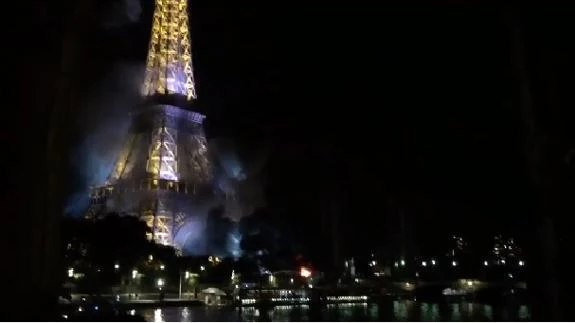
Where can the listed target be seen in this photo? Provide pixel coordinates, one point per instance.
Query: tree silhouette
(108, 249)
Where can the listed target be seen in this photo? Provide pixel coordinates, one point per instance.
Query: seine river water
(400, 310)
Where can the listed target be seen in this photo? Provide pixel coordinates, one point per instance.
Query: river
(399, 310)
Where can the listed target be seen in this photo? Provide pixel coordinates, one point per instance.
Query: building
(163, 174)
(505, 251)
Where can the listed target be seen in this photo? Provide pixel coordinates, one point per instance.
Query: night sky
(386, 104)
(386, 99)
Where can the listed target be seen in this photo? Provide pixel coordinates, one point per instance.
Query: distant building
(505, 251)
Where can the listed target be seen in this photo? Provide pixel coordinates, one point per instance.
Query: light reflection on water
(400, 310)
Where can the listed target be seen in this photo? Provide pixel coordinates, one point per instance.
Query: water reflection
(185, 315)
(399, 310)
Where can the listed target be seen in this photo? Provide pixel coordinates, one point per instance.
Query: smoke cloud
(239, 175)
(104, 123)
(121, 13)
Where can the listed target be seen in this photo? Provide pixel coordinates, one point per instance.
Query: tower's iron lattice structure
(163, 174)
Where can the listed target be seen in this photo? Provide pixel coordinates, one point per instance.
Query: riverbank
(130, 304)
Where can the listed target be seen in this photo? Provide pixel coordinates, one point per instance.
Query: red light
(304, 272)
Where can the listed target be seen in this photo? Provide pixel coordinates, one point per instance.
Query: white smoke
(121, 13)
(239, 178)
(104, 122)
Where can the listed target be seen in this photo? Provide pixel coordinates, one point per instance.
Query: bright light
(433, 262)
(291, 280)
(357, 280)
(160, 282)
(469, 283)
(304, 272)
(71, 272)
(271, 279)
(150, 258)
(163, 160)
(396, 264)
(187, 274)
(424, 263)
(158, 315)
(373, 263)
(134, 274)
(485, 263)
(202, 268)
(162, 267)
(521, 263)
(503, 261)
(173, 47)
(402, 263)
(116, 266)
(310, 286)
(454, 263)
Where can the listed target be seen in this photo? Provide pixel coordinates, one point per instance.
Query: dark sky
(414, 103)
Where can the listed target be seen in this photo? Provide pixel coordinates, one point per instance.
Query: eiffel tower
(163, 174)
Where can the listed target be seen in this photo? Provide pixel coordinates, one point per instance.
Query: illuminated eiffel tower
(163, 174)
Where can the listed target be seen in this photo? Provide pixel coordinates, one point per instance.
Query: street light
(134, 274)
(160, 284)
(271, 279)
